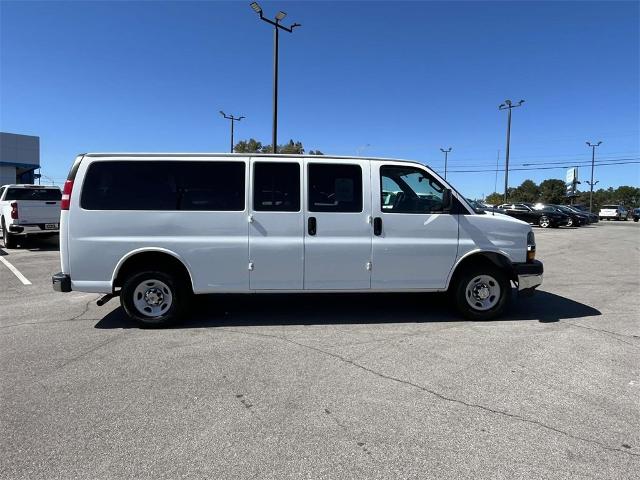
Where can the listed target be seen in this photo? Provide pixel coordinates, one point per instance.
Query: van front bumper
(61, 282)
(529, 276)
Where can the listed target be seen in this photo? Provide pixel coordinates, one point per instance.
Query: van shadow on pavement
(348, 309)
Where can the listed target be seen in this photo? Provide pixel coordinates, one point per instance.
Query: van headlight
(531, 247)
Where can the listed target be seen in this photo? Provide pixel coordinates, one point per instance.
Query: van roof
(231, 155)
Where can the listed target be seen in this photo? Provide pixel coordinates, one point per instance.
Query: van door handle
(312, 225)
(377, 226)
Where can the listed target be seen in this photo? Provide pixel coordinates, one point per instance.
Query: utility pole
(233, 120)
(495, 184)
(276, 29)
(446, 154)
(508, 105)
(593, 161)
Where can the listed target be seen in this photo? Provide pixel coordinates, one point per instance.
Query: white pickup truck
(27, 210)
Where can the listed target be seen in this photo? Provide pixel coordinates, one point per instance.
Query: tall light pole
(276, 29)
(508, 105)
(593, 161)
(233, 120)
(446, 155)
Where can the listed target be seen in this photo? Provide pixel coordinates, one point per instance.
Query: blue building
(19, 158)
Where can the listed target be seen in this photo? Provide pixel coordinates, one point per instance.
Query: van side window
(276, 187)
(164, 185)
(409, 190)
(1, 191)
(335, 188)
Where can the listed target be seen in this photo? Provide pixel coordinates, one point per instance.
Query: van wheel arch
(155, 261)
(480, 259)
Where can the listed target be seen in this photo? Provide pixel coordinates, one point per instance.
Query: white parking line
(15, 271)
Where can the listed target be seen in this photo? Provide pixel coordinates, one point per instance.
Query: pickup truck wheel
(544, 221)
(482, 293)
(153, 299)
(8, 239)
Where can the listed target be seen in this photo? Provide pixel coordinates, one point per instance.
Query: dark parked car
(584, 209)
(636, 214)
(480, 207)
(576, 218)
(543, 217)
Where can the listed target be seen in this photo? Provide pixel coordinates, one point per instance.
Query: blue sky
(396, 79)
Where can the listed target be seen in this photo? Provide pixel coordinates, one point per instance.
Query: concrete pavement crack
(91, 350)
(75, 317)
(442, 396)
(608, 332)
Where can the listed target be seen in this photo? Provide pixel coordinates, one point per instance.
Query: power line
(541, 168)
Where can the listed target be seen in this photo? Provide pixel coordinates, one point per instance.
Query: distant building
(19, 158)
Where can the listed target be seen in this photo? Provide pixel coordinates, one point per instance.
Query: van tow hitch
(102, 300)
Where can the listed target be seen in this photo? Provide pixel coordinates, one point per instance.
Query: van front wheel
(482, 293)
(153, 299)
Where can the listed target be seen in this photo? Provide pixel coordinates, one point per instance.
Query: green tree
(292, 147)
(494, 199)
(553, 190)
(528, 191)
(248, 146)
(254, 146)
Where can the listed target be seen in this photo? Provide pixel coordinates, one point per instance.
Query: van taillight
(14, 210)
(66, 195)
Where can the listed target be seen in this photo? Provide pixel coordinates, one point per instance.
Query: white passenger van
(156, 228)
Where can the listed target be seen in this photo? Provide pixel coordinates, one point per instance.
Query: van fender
(497, 256)
(147, 250)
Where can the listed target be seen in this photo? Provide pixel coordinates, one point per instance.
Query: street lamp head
(240, 118)
(222, 113)
(280, 15)
(508, 102)
(520, 102)
(295, 25)
(256, 8)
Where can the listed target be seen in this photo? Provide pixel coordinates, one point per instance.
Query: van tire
(164, 300)
(8, 239)
(482, 276)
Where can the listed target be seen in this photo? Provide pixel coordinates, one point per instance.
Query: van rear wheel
(482, 293)
(153, 298)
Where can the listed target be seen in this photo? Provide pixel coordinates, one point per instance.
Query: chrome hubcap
(152, 298)
(483, 292)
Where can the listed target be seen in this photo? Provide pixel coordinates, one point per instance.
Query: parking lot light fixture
(508, 105)
(233, 120)
(591, 183)
(277, 26)
(446, 155)
(256, 7)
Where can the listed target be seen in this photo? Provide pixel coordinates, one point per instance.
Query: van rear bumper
(529, 276)
(61, 282)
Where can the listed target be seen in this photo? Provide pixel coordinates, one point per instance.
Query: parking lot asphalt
(330, 386)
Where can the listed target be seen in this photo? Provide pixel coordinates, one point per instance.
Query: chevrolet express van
(155, 229)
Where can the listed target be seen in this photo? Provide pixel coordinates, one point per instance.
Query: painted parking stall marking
(15, 271)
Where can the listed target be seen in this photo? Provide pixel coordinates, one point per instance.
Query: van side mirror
(447, 200)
